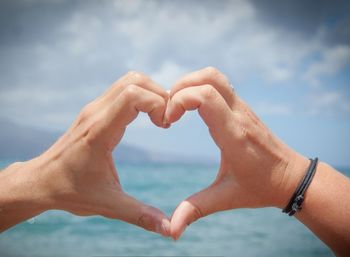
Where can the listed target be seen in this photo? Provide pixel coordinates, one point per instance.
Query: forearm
(326, 208)
(22, 195)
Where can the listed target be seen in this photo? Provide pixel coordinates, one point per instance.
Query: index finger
(206, 76)
(134, 78)
(110, 124)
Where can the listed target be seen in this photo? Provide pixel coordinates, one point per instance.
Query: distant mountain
(22, 143)
(131, 154)
(19, 142)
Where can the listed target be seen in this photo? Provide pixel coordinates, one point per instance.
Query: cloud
(272, 109)
(222, 33)
(305, 17)
(168, 74)
(332, 61)
(328, 103)
(44, 107)
(65, 54)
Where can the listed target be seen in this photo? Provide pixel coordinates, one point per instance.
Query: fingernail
(177, 236)
(166, 227)
(166, 114)
(158, 229)
(163, 228)
(166, 125)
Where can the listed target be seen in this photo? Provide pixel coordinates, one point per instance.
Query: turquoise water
(246, 232)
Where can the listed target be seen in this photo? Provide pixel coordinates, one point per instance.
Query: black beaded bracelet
(295, 203)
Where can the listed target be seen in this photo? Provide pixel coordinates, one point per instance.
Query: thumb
(210, 104)
(133, 211)
(195, 207)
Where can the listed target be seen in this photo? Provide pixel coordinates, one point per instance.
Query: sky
(289, 60)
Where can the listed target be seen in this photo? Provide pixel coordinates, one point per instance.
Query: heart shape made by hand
(84, 180)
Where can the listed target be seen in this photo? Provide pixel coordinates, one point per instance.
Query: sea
(242, 232)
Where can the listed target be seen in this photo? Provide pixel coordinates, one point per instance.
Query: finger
(131, 78)
(195, 207)
(134, 78)
(210, 76)
(135, 212)
(210, 104)
(135, 99)
(125, 108)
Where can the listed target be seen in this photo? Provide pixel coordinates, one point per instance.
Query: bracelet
(295, 203)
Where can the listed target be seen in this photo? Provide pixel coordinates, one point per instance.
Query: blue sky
(290, 60)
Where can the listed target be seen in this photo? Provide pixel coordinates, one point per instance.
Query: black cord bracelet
(295, 203)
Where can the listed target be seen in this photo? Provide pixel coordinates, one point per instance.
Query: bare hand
(78, 170)
(255, 165)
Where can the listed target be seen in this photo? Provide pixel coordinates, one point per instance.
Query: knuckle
(209, 93)
(88, 140)
(86, 112)
(131, 92)
(216, 76)
(132, 77)
(146, 220)
(16, 165)
(136, 76)
(131, 73)
(196, 214)
(158, 104)
(175, 100)
(241, 131)
(89, 135)
(212, 71)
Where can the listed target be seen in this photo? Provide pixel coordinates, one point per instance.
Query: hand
(255, 169)
(78, 171)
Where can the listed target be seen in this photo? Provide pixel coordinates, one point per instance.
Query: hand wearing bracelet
(295, 203)
(257, 169)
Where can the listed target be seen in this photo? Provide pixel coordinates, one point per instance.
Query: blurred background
(289, 60)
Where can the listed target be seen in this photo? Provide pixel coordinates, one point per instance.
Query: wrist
(22, 195)
(33, 185)
(293, 173)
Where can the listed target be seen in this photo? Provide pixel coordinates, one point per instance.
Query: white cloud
(272, 109)
(43, 106)
(148, 23)
(80, 33)
(328, 103)
(168, 74)
(279, 74)
(232, 37)
(332, 61)
(97, 43)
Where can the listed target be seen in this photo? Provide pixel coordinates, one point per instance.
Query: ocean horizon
(243, 232)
